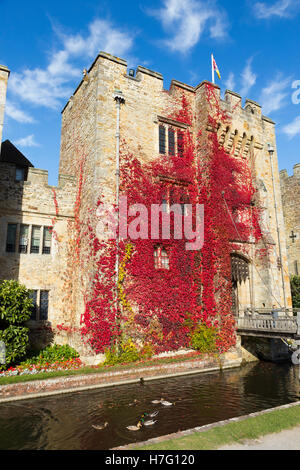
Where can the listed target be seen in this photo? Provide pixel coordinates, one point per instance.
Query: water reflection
(65, 421)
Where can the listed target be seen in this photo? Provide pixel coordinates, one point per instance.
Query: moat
(65, 421)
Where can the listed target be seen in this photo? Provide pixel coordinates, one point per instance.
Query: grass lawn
(231, 433)
(95, 370)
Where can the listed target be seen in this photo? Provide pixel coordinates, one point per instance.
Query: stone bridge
(266, 326)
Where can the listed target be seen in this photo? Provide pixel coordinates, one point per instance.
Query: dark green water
(65, 421)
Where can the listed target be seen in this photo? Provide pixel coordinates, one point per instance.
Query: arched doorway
(241, 284)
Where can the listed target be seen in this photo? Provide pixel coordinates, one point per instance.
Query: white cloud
(102, 36)
(281, 9)
(292, 129)
(48, 86)
(248, 78)
(28, 141)
(218, 30)
(230, 82)
(187, 20)
(40, 87)
(12, 111)
(273, 96)
(60, 67)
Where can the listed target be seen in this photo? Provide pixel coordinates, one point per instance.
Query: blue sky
(46, 44)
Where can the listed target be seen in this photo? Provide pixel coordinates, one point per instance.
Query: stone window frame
(161, 258)
(35, 249)
(45, 315)
(20, 174)
(167, 202)
(37, 311)
(169, 183)
(46, 250)
(19, 249)
(9, 246)
(170, 125)
(23, 247)
(162, 139)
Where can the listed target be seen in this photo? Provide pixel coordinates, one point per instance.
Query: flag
(215, 67)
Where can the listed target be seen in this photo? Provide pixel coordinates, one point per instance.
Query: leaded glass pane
(44, 303)
(23, 243)
(11, 238)
(35, 239)
(164, 259)
(171, 135)
(33, 296)
(47, 241)
(162, 139)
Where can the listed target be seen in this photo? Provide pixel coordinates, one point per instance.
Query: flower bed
(71, 364)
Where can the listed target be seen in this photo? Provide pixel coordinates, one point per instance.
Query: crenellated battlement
(106, 63)
(296, 173)
(145, 100)
(35, 194)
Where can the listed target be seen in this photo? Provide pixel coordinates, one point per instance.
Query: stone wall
(265, 349)
(92, 111)
(35, 203)
(247, 137)
(89, 128)
(290, 189)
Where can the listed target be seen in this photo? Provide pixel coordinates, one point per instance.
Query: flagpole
(212, 69)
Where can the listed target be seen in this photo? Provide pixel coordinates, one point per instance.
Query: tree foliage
(15, 309)
(295, 287)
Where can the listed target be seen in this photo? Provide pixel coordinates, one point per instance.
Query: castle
(290, 190)
(35, 217)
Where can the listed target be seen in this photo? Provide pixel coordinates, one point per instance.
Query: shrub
(204, 339)
(16, 341)
(15, 304)
(15, 309)
(51, 354)
(128, 352)
(147, 351)
(295, 287)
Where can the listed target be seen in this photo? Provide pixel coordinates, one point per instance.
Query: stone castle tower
(92, 114)
(89, 127)
(290, 190)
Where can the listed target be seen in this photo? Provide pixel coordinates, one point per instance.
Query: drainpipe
(271, 153)
(252, 265)
(119, 99)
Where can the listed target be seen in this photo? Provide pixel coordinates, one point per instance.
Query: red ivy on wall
(158, 306)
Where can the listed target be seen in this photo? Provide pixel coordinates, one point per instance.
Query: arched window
(161, 258)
